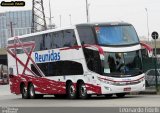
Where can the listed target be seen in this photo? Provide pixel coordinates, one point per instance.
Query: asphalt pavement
(8, 99)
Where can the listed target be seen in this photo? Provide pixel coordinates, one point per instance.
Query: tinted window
(69, 38)
(38, 42)
(53, 42)
(35, 70)
(46, 41)
(58, 39)
(86, 35)
(93, 60)
(59, 68)
(64, 38)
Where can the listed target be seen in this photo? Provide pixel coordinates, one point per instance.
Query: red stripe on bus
(100, 50)
(46, 86)
(147, 46)
(67, 48)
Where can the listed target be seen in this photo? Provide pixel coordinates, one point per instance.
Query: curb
(148, 92)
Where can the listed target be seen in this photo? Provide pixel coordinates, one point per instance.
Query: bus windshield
(125, 64)
(116, 35)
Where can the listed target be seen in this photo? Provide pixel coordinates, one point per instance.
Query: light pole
(87, 11)
(11, 28)
(50, 17)
(60, 20)
(50, 25)
(155, 36)
(50, 21)
(147, 22)
(70, 19)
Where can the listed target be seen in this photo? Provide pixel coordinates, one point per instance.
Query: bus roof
(41, 32)
(104, 24)
(71, 27)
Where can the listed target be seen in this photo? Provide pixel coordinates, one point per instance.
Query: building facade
(14, 23)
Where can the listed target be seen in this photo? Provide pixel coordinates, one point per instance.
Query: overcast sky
(132, 11)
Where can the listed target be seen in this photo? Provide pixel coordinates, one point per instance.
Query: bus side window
(57, 39)
(35, 70)
(86, 35)
(93, 60)
(38, 42)
(53, 40)
(69, 38)
(47, 41)
(57, 68)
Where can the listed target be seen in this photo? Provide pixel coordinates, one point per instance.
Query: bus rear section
(77, 62)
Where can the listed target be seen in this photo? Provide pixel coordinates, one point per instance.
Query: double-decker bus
(77, 61)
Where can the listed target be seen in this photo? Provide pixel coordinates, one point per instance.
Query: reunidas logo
(12, 4)
(47, 56)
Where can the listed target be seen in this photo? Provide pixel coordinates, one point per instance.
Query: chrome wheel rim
(83, 90)
(25, 91)
(32, 91)
(72, 90)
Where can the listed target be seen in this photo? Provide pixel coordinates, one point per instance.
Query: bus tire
(31, 91)
(24, 92)
(120, 95)
(82, 91)
(71, 91)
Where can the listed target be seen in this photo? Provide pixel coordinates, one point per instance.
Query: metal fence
(149, 69)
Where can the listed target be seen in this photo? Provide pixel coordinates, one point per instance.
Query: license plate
(127, 89)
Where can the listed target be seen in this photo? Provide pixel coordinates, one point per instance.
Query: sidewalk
(4, 90)
(149, 90)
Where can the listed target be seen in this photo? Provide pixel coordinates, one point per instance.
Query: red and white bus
(78, 61)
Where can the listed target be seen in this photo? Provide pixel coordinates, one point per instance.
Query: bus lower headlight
(107, 88)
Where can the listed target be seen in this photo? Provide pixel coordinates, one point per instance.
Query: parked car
(150, 77)
(4, 79)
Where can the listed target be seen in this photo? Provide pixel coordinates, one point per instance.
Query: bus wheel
(82, 91)
(120, 95)
(108, 95)
(71, 91)
(24, 92)
(32, 94)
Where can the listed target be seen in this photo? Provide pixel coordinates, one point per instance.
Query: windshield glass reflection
(129, 63)
(116, 35)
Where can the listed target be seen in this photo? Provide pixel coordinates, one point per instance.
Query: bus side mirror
(146, 50)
